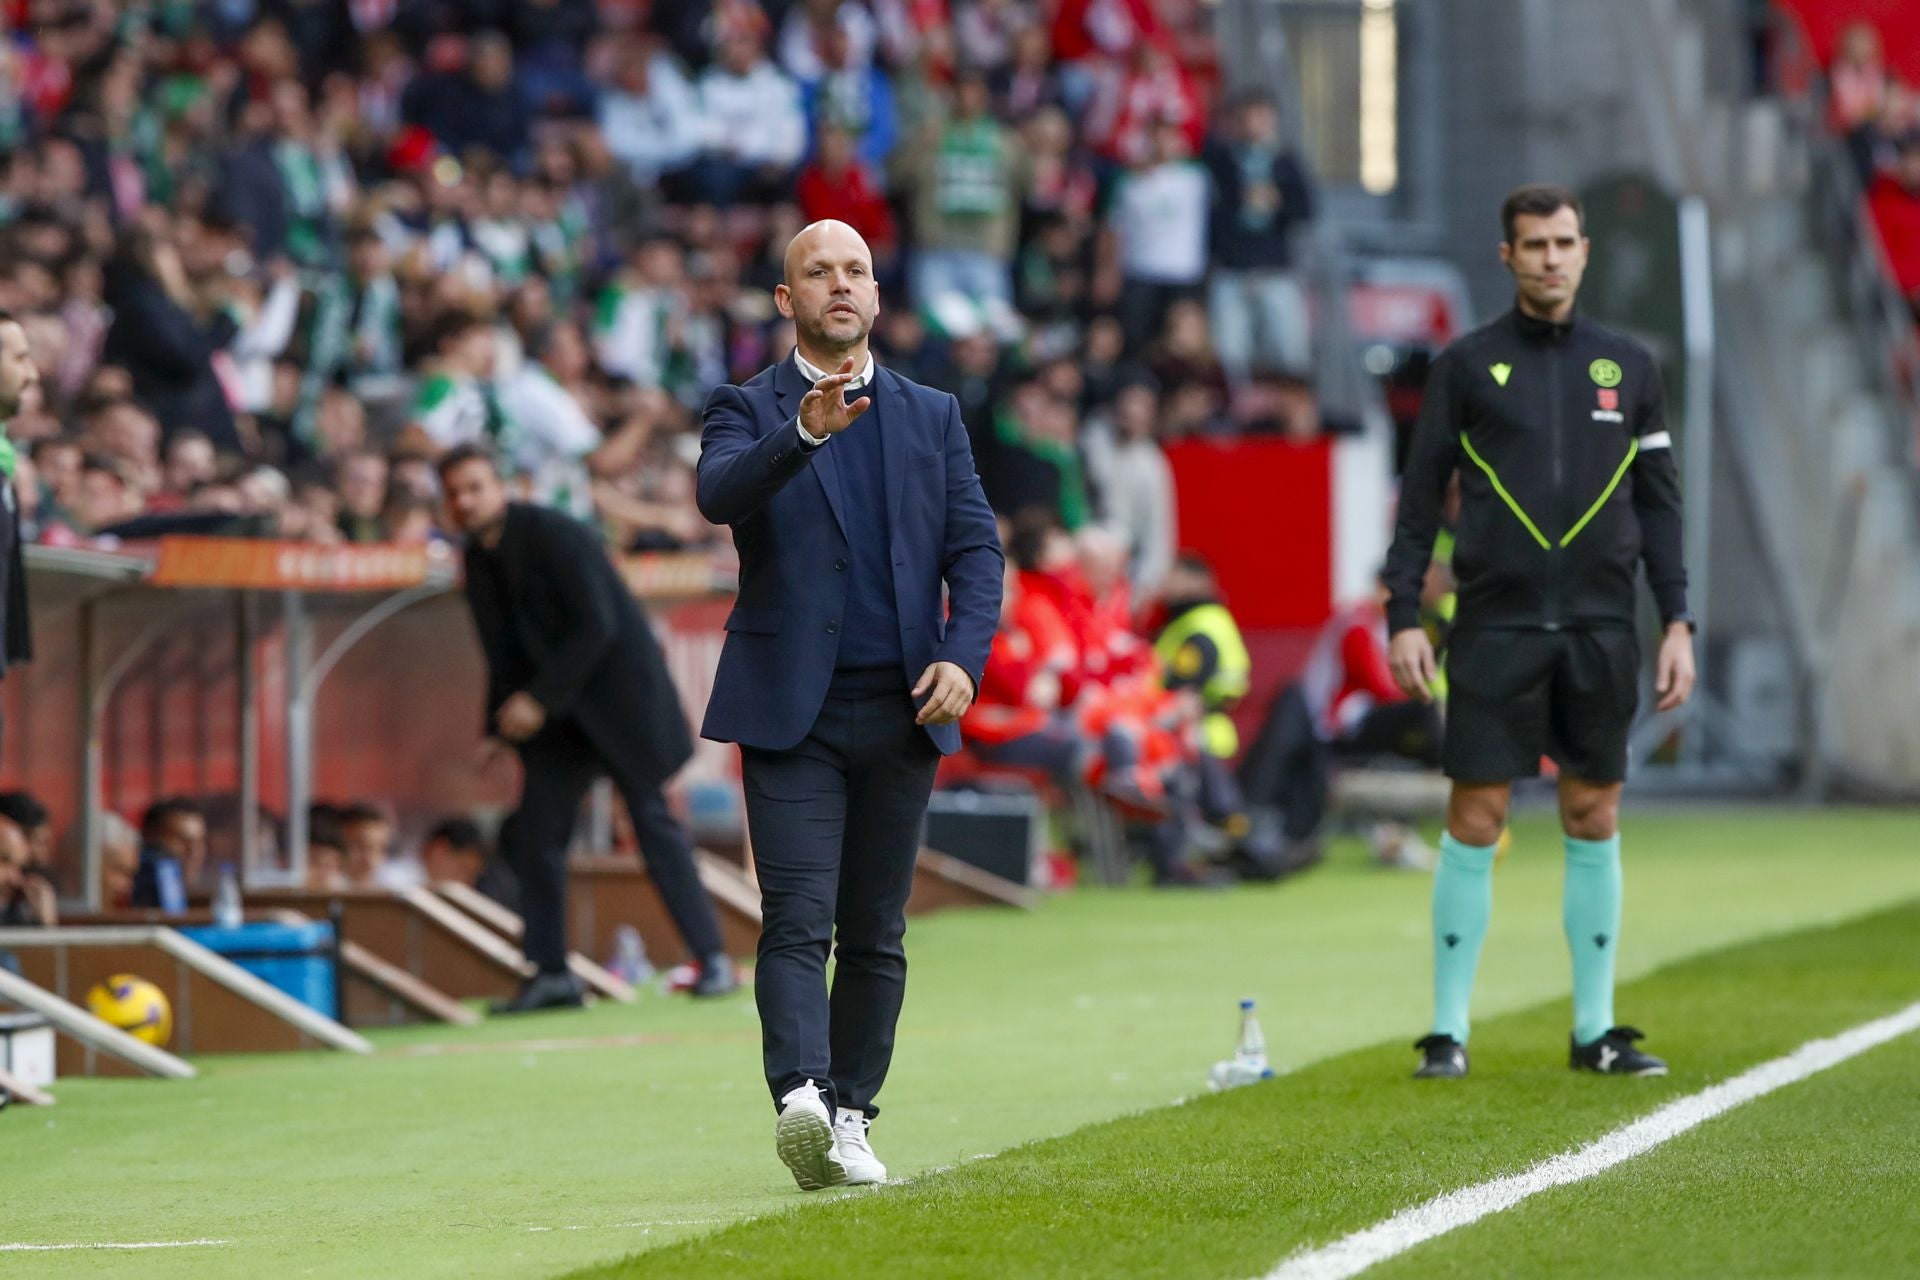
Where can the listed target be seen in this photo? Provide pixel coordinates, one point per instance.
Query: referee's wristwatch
(1693, 627)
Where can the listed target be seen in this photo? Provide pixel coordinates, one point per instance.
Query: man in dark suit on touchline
(577, 684)
(842, 677)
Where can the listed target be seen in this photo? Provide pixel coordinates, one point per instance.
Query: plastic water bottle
(228, 912)
(1249, 1061)
(1251, 1052)
(630, 962)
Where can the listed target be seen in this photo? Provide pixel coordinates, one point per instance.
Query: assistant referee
(1557, 428)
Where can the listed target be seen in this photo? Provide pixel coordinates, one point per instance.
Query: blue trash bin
(295, 958)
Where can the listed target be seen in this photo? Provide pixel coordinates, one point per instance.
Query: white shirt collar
(813, 375)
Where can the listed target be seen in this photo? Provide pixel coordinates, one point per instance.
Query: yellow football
(135, 1006)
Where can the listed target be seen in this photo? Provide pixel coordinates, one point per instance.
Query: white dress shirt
(813, 375)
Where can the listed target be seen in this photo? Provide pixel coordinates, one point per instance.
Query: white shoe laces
(850, 1131)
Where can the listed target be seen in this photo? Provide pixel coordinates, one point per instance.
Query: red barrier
(1261, 510)
(1898, 22)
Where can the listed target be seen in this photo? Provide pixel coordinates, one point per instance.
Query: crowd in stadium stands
(274, 257)
(1879, 116)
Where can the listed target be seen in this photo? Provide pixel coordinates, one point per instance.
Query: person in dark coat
(167, 352)
(173, 848)
(577, 683)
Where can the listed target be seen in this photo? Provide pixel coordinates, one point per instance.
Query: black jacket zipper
(1556, 404)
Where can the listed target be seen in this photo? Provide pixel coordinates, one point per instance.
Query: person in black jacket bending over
(1557, 428)
(577, 684)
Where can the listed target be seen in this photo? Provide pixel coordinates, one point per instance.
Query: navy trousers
(836, 824)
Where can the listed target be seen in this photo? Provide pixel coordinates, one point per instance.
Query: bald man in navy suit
(853, 500)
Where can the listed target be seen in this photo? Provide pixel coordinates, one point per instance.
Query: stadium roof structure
(123, 601)
(161, 583)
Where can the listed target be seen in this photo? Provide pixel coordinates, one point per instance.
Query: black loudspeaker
(1001, 833)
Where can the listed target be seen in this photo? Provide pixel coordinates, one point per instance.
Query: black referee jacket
(1567, 480)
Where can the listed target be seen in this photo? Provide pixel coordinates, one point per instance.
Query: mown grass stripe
(1405, 1230)
(132, 1245)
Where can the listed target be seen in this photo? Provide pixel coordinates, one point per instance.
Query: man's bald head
(829, 240)
(829, 292)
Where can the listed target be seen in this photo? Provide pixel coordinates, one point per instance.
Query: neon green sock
(1590, 908)
(1462, 905)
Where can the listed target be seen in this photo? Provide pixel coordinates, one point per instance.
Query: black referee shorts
(1516, 695)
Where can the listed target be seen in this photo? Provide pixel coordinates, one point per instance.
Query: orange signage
(673, 575)
(263, 565)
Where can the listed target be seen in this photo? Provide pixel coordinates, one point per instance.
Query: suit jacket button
(841, 564)
(833, 628)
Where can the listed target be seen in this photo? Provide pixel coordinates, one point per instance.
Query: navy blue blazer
(783, 501)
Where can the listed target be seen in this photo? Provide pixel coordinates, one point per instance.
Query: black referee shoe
(1445, 1058)
(543, 991)
(1613, 1054)
(717, 977)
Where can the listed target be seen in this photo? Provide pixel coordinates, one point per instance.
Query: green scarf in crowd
(970, 179)
(1076, 507)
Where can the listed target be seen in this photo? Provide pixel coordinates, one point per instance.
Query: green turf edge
(1818, 1179)
(1226, 1186)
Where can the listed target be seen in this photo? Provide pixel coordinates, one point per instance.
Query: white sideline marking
(1410, 1227)
(148, 1244)
(646, 1225)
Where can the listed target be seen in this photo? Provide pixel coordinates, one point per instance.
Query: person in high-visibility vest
(1200, 648)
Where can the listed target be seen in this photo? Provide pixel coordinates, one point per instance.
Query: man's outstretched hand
(948, 690)
(824, 411)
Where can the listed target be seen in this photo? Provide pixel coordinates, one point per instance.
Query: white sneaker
(804, 1137)
(856, 1153)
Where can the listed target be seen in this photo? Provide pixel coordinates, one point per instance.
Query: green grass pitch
(636, 1141)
